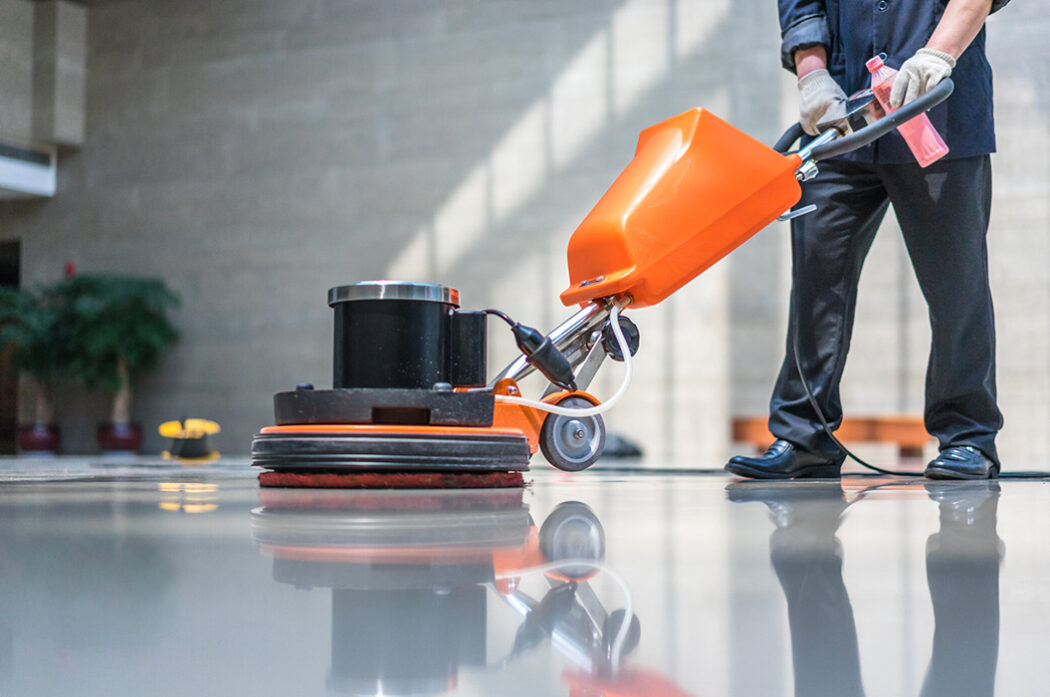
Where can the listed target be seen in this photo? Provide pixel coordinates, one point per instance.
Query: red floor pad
(392, 480)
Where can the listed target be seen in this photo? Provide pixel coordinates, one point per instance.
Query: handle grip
(869, 134)
(789, 138)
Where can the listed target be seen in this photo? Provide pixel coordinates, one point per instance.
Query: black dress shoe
(962, 462)
(784, 460)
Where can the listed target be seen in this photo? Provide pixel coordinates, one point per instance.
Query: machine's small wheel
(572, 443)
(573, 531)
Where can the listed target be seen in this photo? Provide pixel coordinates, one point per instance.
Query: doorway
(10, 265)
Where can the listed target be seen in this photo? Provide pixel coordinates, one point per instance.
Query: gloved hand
(820, 98)
(920, 74)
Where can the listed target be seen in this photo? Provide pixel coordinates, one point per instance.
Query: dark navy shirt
(853, 31)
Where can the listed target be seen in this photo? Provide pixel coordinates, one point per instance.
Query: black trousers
(943, 212)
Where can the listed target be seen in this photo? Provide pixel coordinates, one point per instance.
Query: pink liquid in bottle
(920, 135)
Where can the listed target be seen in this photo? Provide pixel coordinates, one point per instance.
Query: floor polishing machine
(412, 404)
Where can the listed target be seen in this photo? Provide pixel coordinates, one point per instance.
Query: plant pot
(119, 438)
(38, 438)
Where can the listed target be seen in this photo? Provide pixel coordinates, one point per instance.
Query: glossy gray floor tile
(155, 580)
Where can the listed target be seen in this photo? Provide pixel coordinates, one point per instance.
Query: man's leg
(827, 254)
(943, 211)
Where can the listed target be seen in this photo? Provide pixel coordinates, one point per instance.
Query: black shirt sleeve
(803, 23)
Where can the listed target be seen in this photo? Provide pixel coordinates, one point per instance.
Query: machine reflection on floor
(407, 566)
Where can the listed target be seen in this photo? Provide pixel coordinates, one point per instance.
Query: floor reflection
(169, 586)
(407, 572)
(962, 571)
(412, 575)
(77, 586)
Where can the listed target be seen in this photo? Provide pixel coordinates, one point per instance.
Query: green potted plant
(31, 327)
(116, 327)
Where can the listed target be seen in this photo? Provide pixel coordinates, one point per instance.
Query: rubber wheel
(572, 443)
(573, 531)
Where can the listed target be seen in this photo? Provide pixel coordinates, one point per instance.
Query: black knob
(612, 346)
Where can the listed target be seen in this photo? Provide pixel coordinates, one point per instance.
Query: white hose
(628, 605)
(625, 351)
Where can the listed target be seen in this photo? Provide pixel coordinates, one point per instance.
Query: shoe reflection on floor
(962, 570)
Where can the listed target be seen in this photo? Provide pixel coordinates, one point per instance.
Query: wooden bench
(907, 432)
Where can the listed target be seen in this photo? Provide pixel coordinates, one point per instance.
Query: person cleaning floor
(943, 210)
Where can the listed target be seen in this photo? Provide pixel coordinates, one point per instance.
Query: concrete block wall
(42, 53)
(16, 69)
(257, 153)
(59, 52)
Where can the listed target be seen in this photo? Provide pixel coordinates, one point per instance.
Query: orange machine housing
(696, 189)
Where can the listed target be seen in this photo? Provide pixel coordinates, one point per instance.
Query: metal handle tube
(581, 324)
(791, 135)
(806, 153)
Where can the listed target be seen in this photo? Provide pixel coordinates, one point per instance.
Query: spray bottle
(920, 135)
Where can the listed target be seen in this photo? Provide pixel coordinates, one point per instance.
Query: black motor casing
(405, 336)
(401, 351)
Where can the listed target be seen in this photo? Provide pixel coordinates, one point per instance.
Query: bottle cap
(875, 63)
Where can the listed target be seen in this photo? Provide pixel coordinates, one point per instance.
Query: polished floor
(140, 579)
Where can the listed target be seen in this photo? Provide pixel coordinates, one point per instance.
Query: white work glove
(920, 74)
(820, 99)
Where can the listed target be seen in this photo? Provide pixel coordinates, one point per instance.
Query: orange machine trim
(526, 420)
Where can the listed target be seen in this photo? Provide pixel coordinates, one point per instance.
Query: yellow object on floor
(189, 445)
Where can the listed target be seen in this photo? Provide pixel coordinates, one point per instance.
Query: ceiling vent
(26, 171)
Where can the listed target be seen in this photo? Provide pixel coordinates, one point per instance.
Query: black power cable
(796, 255)
(824, 422)
(540, 352)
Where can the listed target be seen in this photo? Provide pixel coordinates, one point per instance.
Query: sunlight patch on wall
(607, 77)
